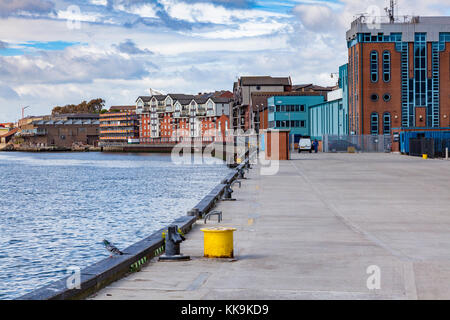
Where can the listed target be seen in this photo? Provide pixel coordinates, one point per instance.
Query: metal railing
(357, 143)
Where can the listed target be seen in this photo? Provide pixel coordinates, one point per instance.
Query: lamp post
(23, 111)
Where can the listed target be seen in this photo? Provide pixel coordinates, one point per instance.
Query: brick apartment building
(173, 117)
(399, 75)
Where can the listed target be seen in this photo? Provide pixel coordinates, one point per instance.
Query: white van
(305, 144)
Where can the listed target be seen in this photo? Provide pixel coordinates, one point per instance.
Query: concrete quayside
(326, 226)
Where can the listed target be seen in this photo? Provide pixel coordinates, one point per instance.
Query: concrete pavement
(313, 230)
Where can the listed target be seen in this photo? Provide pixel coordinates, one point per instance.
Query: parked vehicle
(341, 146)
(305, 144)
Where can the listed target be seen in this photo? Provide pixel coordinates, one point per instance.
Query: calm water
(56, 208)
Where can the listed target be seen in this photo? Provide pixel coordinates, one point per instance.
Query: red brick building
(173, 117)
(399, 76)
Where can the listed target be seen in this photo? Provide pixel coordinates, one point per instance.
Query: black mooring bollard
(228, 191)
(194, 213)
(173, 240)
(241, 173)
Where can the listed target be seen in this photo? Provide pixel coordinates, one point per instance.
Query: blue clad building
(331, 117)
(292, 112)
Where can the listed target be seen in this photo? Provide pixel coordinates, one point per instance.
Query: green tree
(93, 106)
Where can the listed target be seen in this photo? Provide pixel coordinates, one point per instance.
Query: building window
(420, 69)
(387, 123)
(374, 66)
(302, 108)
(374, 123)
(302, 123)
(386, 66)
(374, 97)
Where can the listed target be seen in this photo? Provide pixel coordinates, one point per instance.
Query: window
(386, 66)
(302, 108)
(297, 108)
(374, 66)
(387, 123)
(374, 97)
(302, 123)
(420, 69)
(278, 108)
(374, 123)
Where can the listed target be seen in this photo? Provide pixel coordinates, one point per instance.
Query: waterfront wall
(106, 271)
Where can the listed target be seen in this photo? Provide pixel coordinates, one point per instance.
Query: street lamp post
(23, 111)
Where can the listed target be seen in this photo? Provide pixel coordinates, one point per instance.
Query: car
(341, 146)
(305, 144)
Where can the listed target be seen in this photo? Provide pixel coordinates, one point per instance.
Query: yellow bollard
(425, 156)
(218, 242)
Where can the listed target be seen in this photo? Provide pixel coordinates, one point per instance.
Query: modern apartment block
(399, 75)
(119, 127)
(174, 117)
(245, 112)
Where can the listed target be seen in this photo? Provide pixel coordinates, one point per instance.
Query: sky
(54, 53)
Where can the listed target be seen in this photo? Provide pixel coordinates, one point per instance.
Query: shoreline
(106, 271)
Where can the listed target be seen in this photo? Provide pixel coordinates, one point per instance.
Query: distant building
(6, 137)
(173, 117)
(117, 109)
(291, 112)
(313, 88)
(245, 113)
(59, 133)
(331, 117)
(399, 75)
(30, 119)
(120, 126)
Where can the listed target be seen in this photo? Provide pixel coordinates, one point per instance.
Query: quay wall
(106, 271)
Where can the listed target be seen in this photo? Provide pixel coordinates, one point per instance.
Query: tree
(93, 106)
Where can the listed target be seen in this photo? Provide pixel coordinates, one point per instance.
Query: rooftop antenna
(390, 11)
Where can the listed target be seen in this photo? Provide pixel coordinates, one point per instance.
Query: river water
(56, 208)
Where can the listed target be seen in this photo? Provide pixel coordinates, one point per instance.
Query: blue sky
(55, 52)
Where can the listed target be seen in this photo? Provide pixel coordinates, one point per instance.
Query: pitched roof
(9, 133)
(265, 80)
(130, 108)
(180, 96)
(311, 86)
(144, 98)
(221, 99)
